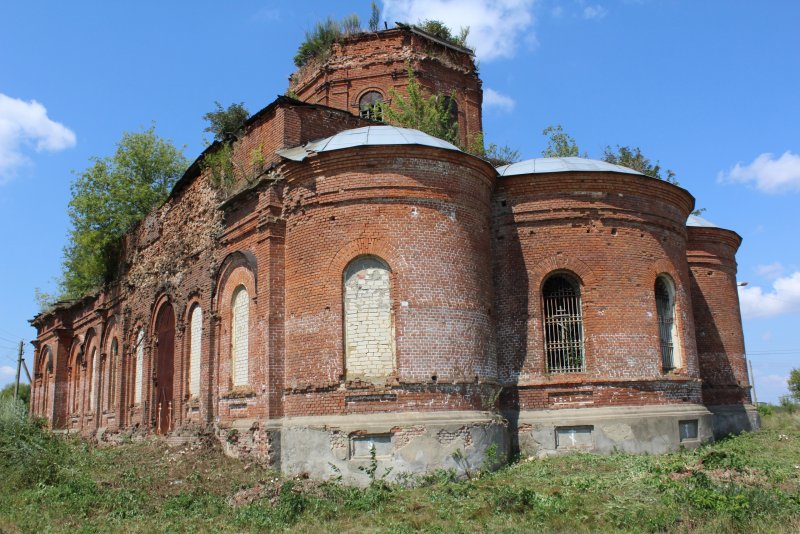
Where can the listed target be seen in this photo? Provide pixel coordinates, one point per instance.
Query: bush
(29, 455)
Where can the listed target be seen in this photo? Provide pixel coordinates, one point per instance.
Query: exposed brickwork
(380, 61)
(441, 311)
(715, 300)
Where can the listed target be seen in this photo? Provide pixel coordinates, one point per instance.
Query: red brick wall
(720, 342)
(425, 212)
(615, 233)
(379, 61)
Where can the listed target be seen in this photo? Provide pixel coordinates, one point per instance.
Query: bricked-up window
(563, 325)
(240, 333)
(368, 105)
(195, 342)
(138, 367)
(667, 328)
(113, 361)
(75, 379)
(369, 333)
(92, 380)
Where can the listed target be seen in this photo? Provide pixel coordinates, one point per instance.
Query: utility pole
(752, 382)
(19, 369)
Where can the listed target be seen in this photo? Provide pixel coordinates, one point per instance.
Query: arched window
(369, 333)
(369, 107)
(563, 325)
(667, 327)
(240, 336)
(113, 361)
(92, 368)
(75, 378)
(137, 367)
(195, 344)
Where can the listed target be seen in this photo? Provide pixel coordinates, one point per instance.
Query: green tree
(375, 17)
(633, 158)
(225, 123)
(432, 114)
(794, 384)
(24, 392)
(559, 144)
(108, 199)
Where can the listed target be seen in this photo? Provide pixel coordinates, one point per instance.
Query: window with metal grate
(563, 325)
(665, 306)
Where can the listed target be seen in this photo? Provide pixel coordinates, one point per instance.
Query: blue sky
(711, 89)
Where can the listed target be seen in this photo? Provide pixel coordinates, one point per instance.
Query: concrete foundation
(406, 443)
(637, 429)
(733, 419)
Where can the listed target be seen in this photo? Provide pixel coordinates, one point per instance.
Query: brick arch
(371, 89)
(361, 247)
(163, 299)
(240, 259)
(659, 267)
(113, 368)
(580, 270)
(233, 276)
(45, 360)
(192, 339)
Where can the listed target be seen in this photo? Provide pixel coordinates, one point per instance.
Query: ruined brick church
(362, 287)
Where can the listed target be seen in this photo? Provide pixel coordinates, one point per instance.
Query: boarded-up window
(369, 332)
(195, 343)
(139, 363)
(240, 334)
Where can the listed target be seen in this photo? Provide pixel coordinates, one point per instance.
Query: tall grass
(29, 454)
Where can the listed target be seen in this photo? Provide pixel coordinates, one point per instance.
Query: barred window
(667, 329)
(195, 341)
(369, 105)
(563, 325)
(240, 334)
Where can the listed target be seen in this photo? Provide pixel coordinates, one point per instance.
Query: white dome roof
(366, 136)
(694, 220)
(543, 165)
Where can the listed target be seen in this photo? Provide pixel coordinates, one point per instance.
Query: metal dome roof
(694, 220)
(366, 136)
(543, 165)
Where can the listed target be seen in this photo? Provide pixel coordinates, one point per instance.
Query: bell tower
(362, 69)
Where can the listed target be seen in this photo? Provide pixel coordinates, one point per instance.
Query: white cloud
(769, 175)
(594, 12)
(495, 26)
(770, 271)
(7, 372)
(493, 99)
(782, 299)
(26, 124)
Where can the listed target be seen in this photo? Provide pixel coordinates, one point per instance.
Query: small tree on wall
(432, 114)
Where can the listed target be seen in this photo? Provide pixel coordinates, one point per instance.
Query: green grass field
(748, 483)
